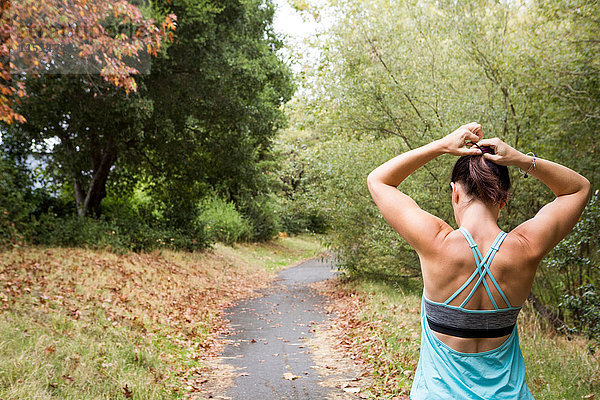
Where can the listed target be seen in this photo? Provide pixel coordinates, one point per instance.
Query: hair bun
(483, 178)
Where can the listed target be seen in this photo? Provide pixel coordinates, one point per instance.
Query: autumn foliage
(104, 36)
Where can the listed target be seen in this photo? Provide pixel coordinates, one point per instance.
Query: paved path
(269, 335)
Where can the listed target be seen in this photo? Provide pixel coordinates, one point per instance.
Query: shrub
(572, 273)
(118, 235)
(586, 307)
(576, 265)
(223, 222)
(262, 213)
(16, 201)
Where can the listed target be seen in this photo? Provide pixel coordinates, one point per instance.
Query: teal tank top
(444, 373)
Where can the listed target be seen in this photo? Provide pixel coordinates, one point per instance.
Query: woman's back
(446, 272)
(472, 295)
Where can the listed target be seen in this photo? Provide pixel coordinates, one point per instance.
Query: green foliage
(364, 242)
(584, 310)
(396, 75)
(300, 204)
(79, 130)
(36, 217)
(218, 94)
(126, 233)
(262, 213)
(301, 216)
(570, 278)
(15, 200)
(223, 222)
(202, 122)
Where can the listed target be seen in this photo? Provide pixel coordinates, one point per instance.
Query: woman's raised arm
(418, 227)
(556, 219)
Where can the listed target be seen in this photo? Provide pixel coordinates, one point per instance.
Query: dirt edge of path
(348, 377)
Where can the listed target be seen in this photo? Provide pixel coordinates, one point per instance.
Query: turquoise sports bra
(462, 322)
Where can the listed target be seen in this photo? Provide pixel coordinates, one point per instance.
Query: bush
(17, 201)
(572, 275)
(262, 213)
(586, 308)
(302, 215)
(223, 222)
(118, 235)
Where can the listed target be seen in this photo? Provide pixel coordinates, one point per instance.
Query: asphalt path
(267, 344)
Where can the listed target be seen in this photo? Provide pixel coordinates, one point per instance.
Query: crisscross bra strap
(482, 269)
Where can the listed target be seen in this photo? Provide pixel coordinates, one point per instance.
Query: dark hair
(482, 178)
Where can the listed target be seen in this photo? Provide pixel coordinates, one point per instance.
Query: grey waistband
(460, 319)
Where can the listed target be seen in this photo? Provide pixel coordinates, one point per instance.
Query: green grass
(54, 356)
(90, 324)
(387, 336)
(275, 254)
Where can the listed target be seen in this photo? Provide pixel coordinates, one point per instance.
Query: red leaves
(49, 350)
(33, 32)
(170, 22)
(127, 392)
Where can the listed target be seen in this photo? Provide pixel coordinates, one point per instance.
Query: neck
(479, 217)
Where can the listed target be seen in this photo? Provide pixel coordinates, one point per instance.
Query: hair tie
(484, 149)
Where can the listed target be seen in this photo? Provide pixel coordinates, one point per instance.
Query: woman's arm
(556, 219)
(418, 227)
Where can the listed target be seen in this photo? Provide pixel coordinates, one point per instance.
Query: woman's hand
(456, 143)
(504, 153)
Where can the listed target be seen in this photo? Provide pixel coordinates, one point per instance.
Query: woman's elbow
(372, 182)
(586, 187)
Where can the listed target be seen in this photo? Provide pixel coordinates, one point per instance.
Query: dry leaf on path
(289, 376)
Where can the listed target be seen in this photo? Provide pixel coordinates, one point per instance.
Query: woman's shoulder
(521, 247)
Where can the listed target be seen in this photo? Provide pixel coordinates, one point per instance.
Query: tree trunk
(96, 191)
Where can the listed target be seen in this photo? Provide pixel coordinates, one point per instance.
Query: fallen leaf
(289, 376)
(127, 392)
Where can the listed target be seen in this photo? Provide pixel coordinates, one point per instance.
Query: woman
(476, 278)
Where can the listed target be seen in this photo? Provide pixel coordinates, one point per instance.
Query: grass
(380, 324)
(90, 324)
(276, 254)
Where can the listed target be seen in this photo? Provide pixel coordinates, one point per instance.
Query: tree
(78, 134)
(104, 36)
(218, 96)
(396, 75)
(75, 62)
(202, 120)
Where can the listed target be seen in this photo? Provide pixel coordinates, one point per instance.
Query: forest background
(222, 141)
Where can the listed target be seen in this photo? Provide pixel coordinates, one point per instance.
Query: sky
(297, 29)
(288, 21)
